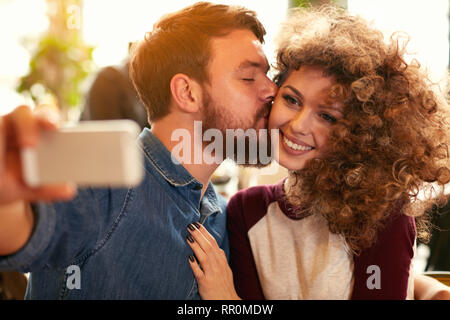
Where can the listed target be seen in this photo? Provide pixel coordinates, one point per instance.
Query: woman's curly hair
(393, 139)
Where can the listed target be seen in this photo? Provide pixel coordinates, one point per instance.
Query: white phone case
(92, 153)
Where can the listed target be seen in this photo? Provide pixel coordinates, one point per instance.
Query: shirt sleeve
(63, 232)
(242, 263)
(383, 271)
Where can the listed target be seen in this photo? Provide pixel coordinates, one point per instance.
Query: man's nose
(269, 91)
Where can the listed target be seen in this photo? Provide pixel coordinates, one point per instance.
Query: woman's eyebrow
(294, 90)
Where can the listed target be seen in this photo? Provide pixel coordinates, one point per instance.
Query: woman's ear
(186, 93)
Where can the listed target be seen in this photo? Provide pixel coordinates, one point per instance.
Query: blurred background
(53, 49)
(67, 54)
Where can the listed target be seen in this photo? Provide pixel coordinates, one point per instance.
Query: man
(203, 63)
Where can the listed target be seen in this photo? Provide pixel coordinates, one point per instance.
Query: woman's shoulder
(251, 204)
(261, 195)
(391, 255)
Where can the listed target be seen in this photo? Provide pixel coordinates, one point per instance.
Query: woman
(361, 131)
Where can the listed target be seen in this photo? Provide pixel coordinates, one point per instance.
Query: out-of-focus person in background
(112, 96)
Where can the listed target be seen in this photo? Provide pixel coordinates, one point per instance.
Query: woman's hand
(214, 276)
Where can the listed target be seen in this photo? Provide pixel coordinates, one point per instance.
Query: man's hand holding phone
(39, 161)
(18, 130)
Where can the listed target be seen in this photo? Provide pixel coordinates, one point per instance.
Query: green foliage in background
(308, 3)
(61, 61)
(301, 3)
(60, 66)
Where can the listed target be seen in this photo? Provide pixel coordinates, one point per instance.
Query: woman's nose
(302, 122)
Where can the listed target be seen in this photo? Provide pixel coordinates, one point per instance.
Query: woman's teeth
(295, 146)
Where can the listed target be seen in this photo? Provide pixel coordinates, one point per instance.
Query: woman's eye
(289, 99)
(249, 79)
(328, 118)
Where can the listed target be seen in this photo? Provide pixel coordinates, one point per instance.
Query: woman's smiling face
(303, 116)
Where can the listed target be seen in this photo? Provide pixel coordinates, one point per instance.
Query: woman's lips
(294, 146)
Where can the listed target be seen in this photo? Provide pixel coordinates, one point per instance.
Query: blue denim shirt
(127, 243)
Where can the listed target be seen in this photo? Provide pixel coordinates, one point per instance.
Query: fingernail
(196, 225)
(191, 227)
(191, 258)
(190, 239)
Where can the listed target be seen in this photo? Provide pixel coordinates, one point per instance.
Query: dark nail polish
(191, 257)
(190, 239)
(191, 227)
(196, 225)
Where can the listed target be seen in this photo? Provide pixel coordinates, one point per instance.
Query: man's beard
(216, 116)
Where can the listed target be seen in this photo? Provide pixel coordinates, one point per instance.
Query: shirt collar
(177, 175)
(161, 158)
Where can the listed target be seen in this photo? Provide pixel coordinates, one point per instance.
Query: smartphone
(92, 153)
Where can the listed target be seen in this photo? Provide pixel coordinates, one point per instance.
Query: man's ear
(186, 92)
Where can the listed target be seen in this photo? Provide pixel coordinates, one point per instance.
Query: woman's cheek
(276, 117)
